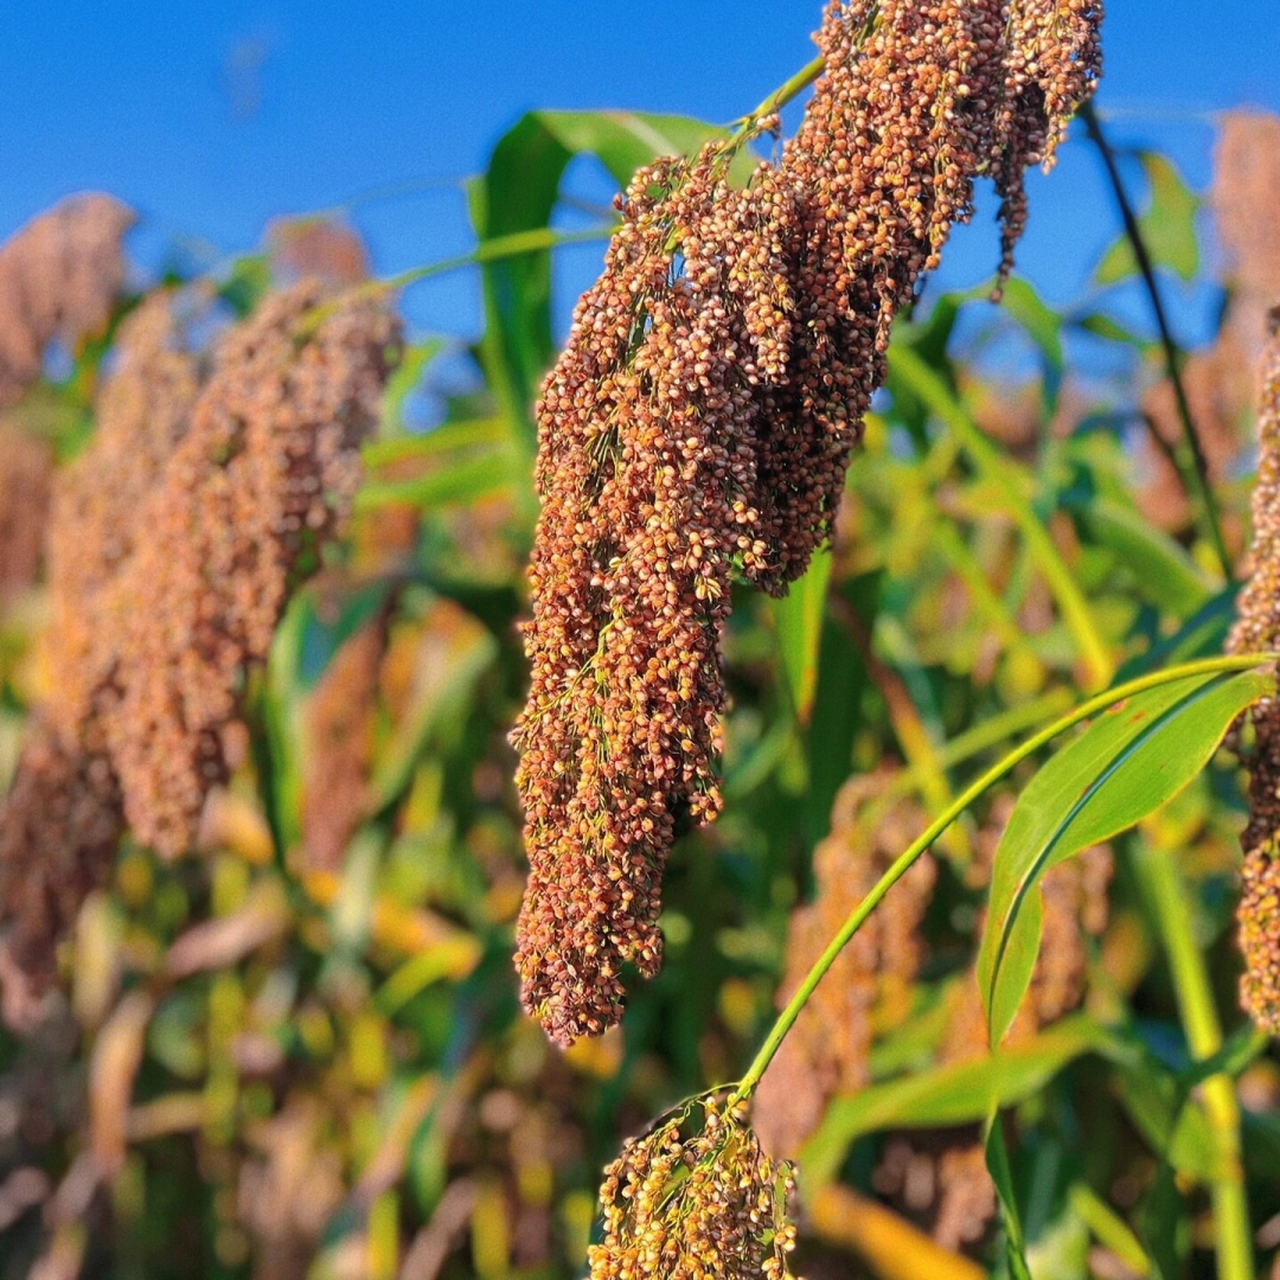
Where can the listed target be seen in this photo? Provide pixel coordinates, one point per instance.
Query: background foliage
(302, 1054)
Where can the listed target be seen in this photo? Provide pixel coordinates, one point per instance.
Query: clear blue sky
(211, 118)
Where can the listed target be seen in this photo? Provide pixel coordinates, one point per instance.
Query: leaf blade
(1151, 747)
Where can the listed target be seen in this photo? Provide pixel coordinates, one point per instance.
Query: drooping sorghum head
(63, 816)
(26, 474)
(59, 826)
(173, 544)
(59, 277)
(695, 1199)
(1245, 178)
(142, 412)
(1052, 61)
(316, 247)
(646, 471)
(339, 735)
(698, 427)
(261, 477)
(827, 1052)
(1257, 629)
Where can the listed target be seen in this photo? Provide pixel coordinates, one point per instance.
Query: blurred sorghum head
(262, 476)
(939, 1179)
(59, 277)
(26, 475)
(696, 1197)
(63, 816)
(698, 426)
(175, 541)
(869, 987)
(1257, 629)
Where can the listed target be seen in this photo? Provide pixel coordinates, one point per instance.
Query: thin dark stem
(1191, 459)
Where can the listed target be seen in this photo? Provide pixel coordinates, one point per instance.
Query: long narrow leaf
(1123, 767)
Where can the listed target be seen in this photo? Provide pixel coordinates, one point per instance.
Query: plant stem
(1190, 458)
(1006, 480)
(514, 245)
(1169, 896)
(749, 125)
(786, 1019)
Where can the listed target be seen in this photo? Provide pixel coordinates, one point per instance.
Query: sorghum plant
(1258, 627)
(699, 425)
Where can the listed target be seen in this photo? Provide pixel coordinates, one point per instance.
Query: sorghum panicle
(59, 277)
(1257, 628)
(695, 1202)
(261, 477)
(173, 544)
(339, 720)
(60, 824)
(1221, 380)
(63, 816)
(26, 483)
(698, 427)
(827, 1051)
(939, 1178)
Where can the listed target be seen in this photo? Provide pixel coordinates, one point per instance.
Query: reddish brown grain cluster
(174, 542)
(340, 720)
(316, 248)
(695, 1201)
(699, 424)
(59, 277)
(26, 475)
(258, 481)
(1258, 629)
(870, 985)
(63, 816)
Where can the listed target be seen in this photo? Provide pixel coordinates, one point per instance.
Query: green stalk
(749, 125)
(1189, 458)
(1194, 993)
(1007, 481)
(495, 249)
(786, 1019)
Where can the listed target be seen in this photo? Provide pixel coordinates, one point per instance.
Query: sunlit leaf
(959, 1093)
(797, 618)
(1168, 227)
(1162, 570)
(1126, 764)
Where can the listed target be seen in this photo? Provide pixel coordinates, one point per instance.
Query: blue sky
(212, 118)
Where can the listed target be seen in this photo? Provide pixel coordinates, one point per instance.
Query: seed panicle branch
(699, 424)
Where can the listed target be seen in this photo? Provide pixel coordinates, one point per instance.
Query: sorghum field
(781, 779)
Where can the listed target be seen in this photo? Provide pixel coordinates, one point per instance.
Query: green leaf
(301, 649)
(458, 481)
(404, 381)
(1042, 325)
(1163, 571)
(1101, 325)
(1168, 227)
(1126, 764)
(960, 1093)
(998, 1166)
(797, 618)
(453, 651)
